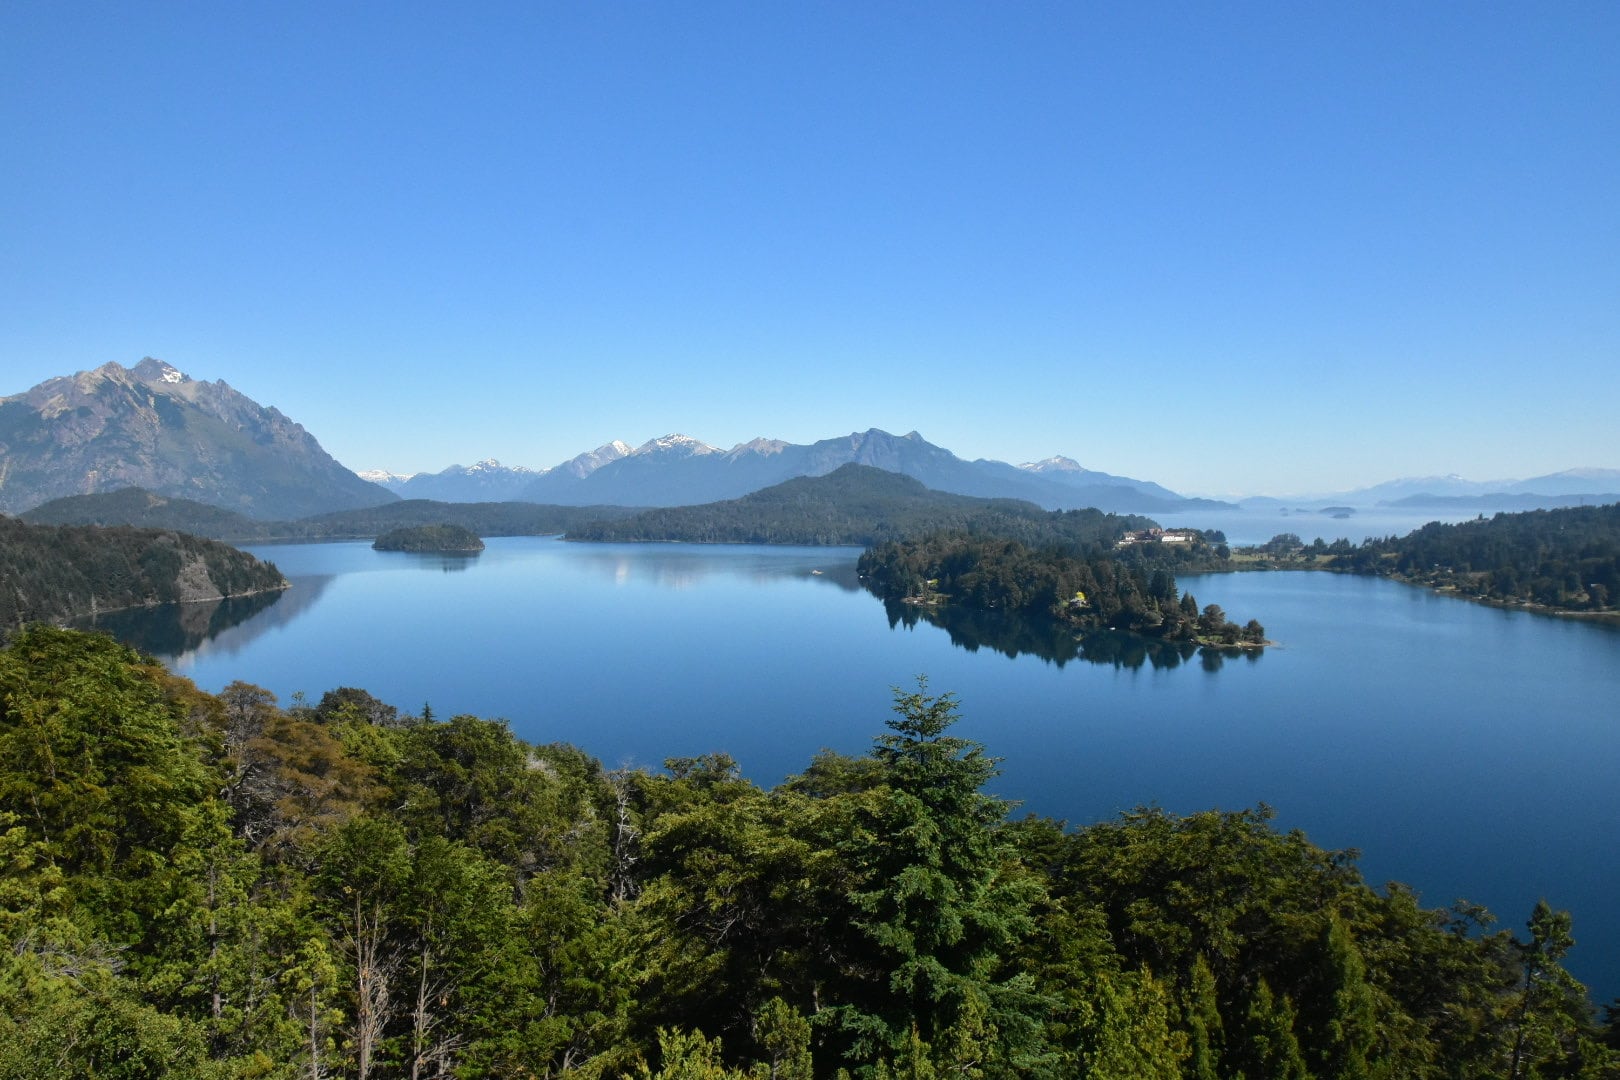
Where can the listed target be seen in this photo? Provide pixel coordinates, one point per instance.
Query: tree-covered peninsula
(1564, 560)
(1088, 586)
(439, 539)
(214, 886)
(53, 573)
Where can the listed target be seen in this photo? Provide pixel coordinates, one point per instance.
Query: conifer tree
(936, 901)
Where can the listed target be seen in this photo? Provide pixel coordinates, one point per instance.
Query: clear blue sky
(1233, 248)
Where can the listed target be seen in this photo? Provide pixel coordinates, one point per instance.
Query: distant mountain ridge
(1571, 487)
(678, 470)
(154, 427)
(145, 509)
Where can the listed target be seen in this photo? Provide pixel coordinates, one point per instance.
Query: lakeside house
(1158, 536)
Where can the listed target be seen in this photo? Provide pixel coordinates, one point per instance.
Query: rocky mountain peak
(761, 446)
(153, 370)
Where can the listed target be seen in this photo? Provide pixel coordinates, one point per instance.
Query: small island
(431, 540)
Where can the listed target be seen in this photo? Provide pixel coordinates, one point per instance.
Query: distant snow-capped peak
(582, 465)
(1056, 463)
(382, 476)
(490, 465)
(679, 445)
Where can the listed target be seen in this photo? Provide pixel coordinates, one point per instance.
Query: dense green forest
(135, 506)
(856, 505)
(1566, 560)
(196, 885)
(1089, 586)
(50, 573)
(431, 539)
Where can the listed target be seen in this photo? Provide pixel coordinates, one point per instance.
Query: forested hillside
(215, 886)
(51, 573)
(857, 505)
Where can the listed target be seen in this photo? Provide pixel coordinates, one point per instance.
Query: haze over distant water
(1234, 249)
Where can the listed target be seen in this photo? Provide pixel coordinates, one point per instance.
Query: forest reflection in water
(171, 629)
(1014, 635)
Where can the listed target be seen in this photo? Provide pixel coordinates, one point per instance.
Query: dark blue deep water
(1468, 751)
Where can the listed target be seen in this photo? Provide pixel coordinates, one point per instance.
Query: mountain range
(678, 470)
(153, 427)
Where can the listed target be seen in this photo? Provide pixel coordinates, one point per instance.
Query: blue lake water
(1468, 751)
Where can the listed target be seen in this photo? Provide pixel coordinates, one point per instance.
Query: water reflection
(180, 633)
(448, 562)
(169, 630)
(185, 634)
(1014, 635)
(685, 567)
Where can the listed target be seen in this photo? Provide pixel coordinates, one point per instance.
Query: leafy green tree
(457, 921)
(689, 1056)
(1269, 1048)
(731, 873)
(1206, 1038)
(567, 984)
(783, 1033)
(1551, 1025)
(94, 767)
(1348, 1030)
(1127, 1032)
(364, 877)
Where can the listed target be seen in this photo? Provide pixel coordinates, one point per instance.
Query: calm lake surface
(1468, 751)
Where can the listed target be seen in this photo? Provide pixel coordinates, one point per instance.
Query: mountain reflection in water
(681, 566)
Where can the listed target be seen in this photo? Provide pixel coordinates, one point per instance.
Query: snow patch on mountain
(1056, 463)
(490, 465)
(582, 465)
(383, 476)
